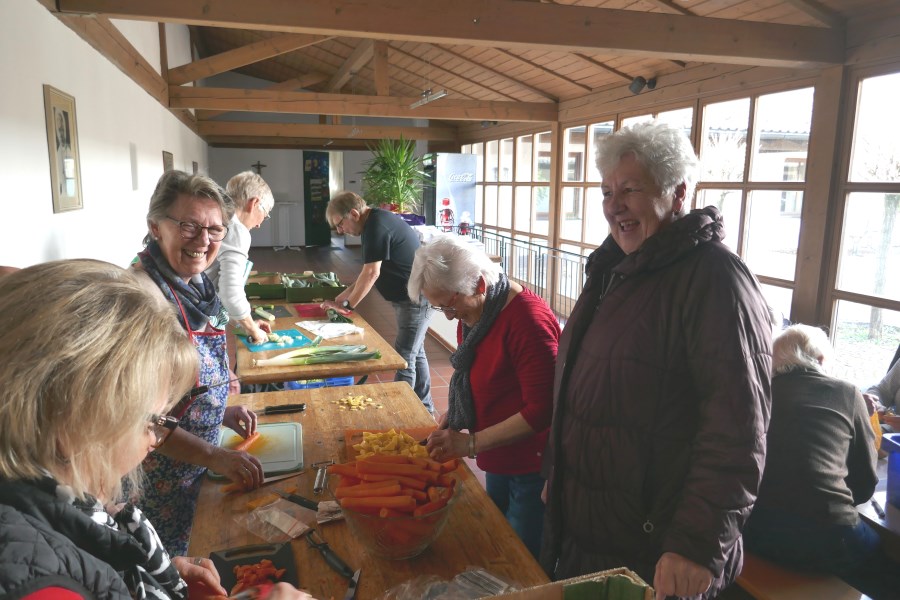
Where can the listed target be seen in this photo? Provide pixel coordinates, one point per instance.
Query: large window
(753, 155)
(866, 305)
(512, 195)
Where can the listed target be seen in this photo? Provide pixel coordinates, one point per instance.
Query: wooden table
(389, 361)
(476, 532)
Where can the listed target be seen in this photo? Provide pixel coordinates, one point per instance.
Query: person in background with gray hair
(501, 391)
(253, 202)
(661, 398)
(820, 463)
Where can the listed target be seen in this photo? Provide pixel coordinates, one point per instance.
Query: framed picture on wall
(62, 144)
(168, 161)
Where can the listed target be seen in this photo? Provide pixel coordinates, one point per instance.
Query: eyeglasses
(190, 230)
(448, 308)
(265, 212)
(162, 426)
(341, 222)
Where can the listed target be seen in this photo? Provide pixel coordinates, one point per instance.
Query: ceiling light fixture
(428, 96)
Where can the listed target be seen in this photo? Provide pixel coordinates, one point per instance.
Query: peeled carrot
(370, 485)
(445, 481)
(406, 503)
(450, 465)
(344, 469)
(232, 487)
(419, 495)
(411, 482)
(347, 481)
(435, 494)
(388, 458)
(391, 469)
(249, 441)
(429, 508)
(390, 490)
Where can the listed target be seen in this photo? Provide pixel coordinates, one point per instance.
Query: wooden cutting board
(355, 436)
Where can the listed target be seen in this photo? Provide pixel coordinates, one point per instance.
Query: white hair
(450, 264)
(663, 150)
(800, 347)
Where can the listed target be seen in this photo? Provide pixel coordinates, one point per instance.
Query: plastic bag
(462, 587)
(279, 521)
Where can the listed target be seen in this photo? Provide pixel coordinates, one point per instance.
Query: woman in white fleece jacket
(253, 201)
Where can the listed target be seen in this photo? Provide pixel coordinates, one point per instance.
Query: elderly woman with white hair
(253, 203)
(502, 384)
(662, 384)
(820, 463)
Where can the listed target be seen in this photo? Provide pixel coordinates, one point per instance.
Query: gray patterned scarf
(461, 413)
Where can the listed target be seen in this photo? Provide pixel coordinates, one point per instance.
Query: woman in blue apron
(186, 219)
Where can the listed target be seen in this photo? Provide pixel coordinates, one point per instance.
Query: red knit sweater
(513, 373)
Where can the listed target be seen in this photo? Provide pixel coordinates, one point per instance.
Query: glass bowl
(399, 537)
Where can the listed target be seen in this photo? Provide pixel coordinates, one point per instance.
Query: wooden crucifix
(258, 167)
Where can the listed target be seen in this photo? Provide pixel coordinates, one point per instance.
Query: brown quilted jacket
(661, 404)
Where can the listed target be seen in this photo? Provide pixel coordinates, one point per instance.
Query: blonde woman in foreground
(90, 363)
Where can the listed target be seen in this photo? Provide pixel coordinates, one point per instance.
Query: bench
(765, 580)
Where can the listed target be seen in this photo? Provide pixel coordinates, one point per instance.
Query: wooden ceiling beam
(258, 142)
(504, 24)
(303, 130)
(290, 85)
(521, 84)
(543, 69)
(347, 104)
(380, 66)
(360, 56)
(240, 57)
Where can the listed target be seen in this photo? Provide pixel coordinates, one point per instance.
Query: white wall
(284, 174)
(112, 113)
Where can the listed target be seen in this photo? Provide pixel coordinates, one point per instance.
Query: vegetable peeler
(321, 472)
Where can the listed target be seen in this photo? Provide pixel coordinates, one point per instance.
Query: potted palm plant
(395, 176)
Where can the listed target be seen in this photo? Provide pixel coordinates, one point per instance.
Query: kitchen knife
(281, 409)
(351, 589)
(334, 561)
(296, 499)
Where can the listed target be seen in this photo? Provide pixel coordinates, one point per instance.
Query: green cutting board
(279, 448)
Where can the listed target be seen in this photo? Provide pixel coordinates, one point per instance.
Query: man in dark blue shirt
(388, 248)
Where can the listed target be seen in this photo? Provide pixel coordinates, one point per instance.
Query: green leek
(308, 352)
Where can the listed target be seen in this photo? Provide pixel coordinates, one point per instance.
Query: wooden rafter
(543, 69)
(448, 72)
(360, 56)
(818, 12)
(604, 67)
(673, 7)
(504, 24)
(521, 84)
(239, 57)
(346, 104)
(302, 130)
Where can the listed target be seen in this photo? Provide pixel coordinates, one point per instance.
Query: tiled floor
(346, 264)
